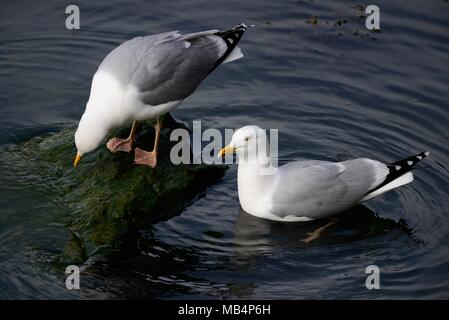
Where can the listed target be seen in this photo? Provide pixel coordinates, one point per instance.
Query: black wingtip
(231, 38)
(238, 29)
(243, 26)
(411, 161)
(398, 168)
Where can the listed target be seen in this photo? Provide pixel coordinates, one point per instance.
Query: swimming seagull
(146, 77)
(310, 189)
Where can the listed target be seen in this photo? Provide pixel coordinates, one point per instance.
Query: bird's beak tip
(77, 159)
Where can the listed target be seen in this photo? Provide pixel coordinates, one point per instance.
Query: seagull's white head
(250, 143)
(89, 135)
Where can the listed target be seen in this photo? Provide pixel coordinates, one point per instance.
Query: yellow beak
(225, 151)
(77, 159)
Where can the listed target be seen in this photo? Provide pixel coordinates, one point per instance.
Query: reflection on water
(239, 251)
(353, 225)
(334, 91)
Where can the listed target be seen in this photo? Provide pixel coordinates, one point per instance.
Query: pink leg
(125, 145)
(149, 158)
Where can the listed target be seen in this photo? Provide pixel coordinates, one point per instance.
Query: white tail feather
(234, 55)
(400, 181)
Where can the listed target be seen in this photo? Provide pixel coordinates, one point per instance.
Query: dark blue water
(333, 91)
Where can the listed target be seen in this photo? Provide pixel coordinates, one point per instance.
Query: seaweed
(107, 198)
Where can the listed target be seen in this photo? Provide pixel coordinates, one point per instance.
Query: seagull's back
(125, 59)
(159, 71)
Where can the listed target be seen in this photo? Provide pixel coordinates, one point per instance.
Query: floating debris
(359, 7)
(312, 20)
(341, 22)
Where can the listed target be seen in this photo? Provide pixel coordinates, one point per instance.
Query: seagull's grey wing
(171, 71)
(123, 61)
(319, 189)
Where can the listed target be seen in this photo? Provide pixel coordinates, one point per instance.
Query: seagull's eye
(246, 139)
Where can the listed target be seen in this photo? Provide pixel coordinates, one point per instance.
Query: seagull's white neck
(255, 180)
(107, 101)
(90, 133)
(96, 114)
(104, 111)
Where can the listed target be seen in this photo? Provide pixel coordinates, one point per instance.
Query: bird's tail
(399, 174)
(231, 38)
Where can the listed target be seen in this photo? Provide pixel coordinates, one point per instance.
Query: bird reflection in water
(356, 224)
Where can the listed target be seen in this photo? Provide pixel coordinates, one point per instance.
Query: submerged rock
(107, 197)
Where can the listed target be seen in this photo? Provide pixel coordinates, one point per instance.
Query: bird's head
(250, 143)
(88, 136)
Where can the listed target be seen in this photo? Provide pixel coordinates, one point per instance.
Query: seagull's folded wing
(172, 70)
(316, 189)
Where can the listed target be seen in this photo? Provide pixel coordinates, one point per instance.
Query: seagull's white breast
(255, 191)
(117, 103)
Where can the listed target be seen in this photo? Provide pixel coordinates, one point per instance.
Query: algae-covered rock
(108, 197)
(74, 251)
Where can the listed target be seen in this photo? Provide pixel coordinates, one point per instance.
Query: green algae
(107, 198)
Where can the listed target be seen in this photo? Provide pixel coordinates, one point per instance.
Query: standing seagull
(311, 189)
(146, 77)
